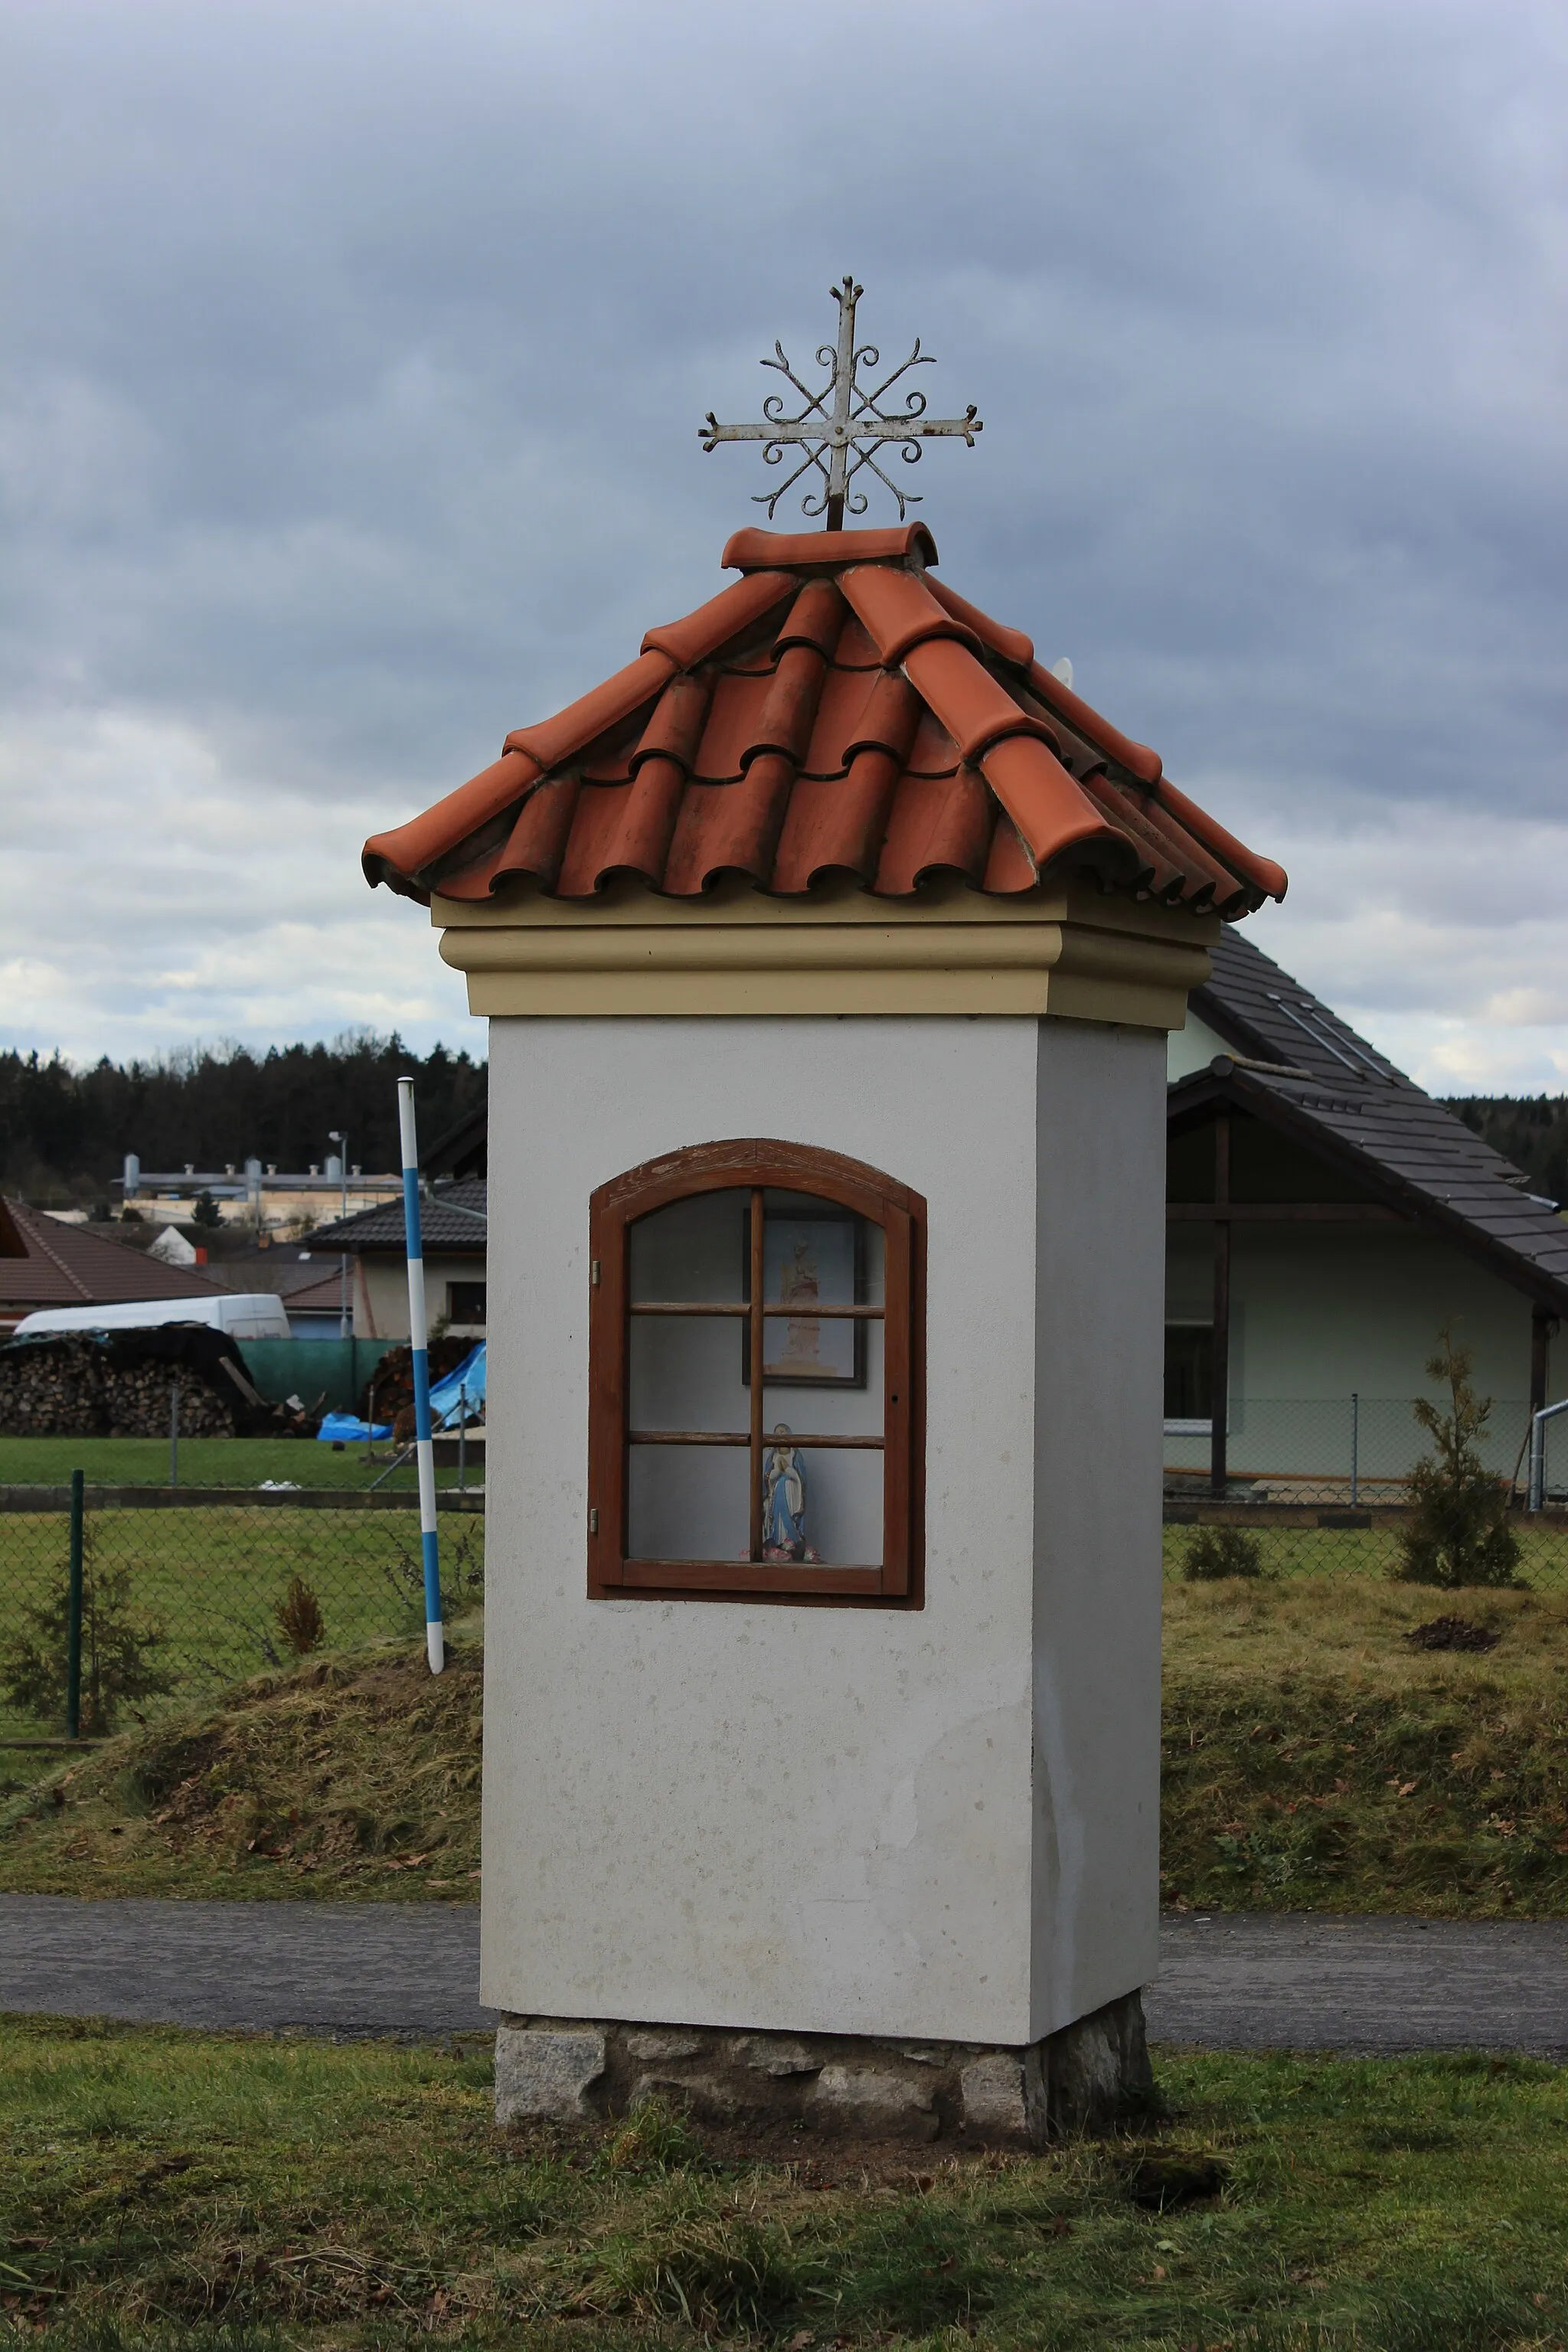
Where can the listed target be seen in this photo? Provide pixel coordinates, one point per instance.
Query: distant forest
(64, 1132)
(1529, 1129)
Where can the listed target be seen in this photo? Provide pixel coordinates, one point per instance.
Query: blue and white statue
(784, 1501)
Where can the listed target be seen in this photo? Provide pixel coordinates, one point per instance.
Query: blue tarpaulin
(446, 1396)
(337, 1428)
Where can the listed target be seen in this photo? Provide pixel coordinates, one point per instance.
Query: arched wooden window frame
(757, 1165)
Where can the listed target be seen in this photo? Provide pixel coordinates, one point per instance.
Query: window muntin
(762, 1455)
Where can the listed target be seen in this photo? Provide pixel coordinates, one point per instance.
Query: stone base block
(851, 2086)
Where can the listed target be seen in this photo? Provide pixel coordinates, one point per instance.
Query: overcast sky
(352, 363)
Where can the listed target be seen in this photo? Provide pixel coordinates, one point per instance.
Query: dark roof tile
(451, 1224)
(1366, 1110)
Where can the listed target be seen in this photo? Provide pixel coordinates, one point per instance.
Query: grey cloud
(357, 353)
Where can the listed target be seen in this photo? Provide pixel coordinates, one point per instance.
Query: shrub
(116, 1644)
(1222, 1551)
(1457, 1532)
(299, 1619)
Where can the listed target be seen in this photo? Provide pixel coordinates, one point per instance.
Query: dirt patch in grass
(1316, 1757)
(162, 2191)
(351, 1776)
(1453, 1634)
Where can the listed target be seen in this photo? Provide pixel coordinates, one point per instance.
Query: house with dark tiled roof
(455, 1238)
(45, 1262)
(1326, 1219)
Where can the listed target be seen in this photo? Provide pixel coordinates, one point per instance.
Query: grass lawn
(181, 2190)
(203, 1461)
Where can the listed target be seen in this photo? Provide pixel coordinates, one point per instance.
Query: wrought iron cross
(841, 426)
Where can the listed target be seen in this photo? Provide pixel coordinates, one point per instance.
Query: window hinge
(596, 1273)
(593, 1523)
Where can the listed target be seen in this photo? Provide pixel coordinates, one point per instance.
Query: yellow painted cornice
(1069, 951)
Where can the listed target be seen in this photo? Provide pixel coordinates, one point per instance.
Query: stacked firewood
(74, 1386)
(392, 1383)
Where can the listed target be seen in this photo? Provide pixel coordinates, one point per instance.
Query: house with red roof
(45, 1262)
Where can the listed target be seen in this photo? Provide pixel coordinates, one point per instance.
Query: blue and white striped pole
(418, 1341)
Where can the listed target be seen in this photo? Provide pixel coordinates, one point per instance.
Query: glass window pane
(1189, 1372)
(685, 1372)
(837, 1408)
(688, 1502)
(694, 1250)
(821, 1506)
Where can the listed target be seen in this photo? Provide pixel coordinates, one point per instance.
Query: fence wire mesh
(1321, 1486)
(182, 1595)
(1320, 1540)
(243, 1554)
(1346, 1449)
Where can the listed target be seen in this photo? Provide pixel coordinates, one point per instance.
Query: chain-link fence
(1349, 1449)
(1310, 1539)
(183, 1591)
(1322, 1486)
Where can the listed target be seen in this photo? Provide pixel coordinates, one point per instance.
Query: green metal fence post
(73, 1620)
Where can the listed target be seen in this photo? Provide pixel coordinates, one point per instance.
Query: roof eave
(1202, 1088)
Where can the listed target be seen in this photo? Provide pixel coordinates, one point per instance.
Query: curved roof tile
(836, 711)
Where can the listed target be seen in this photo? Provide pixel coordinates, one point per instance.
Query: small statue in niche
(784, 1501)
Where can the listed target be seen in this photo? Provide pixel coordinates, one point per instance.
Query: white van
(243, 1314)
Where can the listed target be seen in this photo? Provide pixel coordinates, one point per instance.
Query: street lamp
(339, 1136)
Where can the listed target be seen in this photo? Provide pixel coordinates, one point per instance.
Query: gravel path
(1227, 1981)
(1296, 1980)
(335, 1967)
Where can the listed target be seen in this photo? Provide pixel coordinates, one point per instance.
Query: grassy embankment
(163, 2190)
(1314, 1761)
(348, 1777)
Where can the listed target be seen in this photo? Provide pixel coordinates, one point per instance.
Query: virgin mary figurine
(784, 1501)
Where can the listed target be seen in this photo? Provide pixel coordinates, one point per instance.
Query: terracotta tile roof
(836, 711)
(46, 1264)
(1349, 1103)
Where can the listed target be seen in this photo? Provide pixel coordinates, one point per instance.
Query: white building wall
(381, 1292)
(1318, 1312)
(823, 1819)
(1099, 1303)
(1192, 1048)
